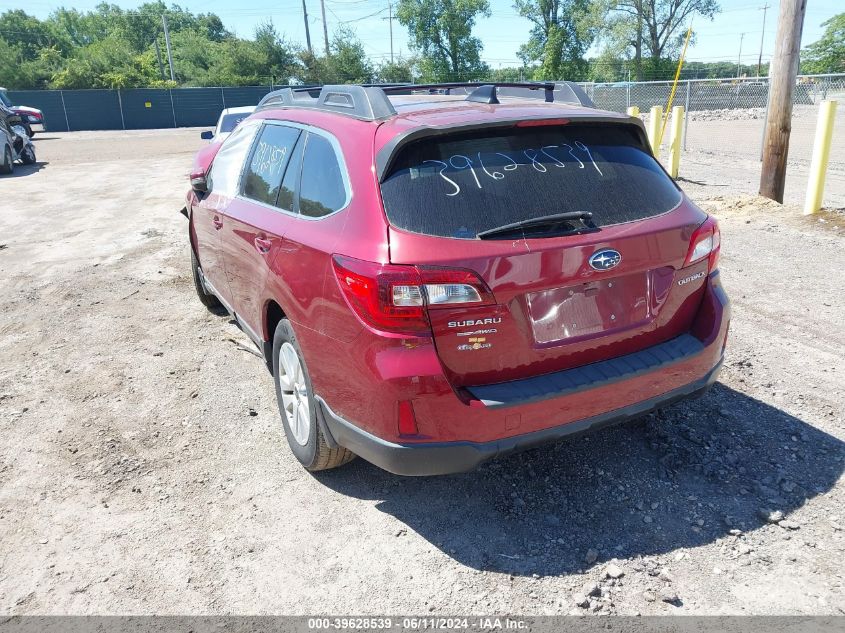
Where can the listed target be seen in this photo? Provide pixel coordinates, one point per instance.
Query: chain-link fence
(727, 116)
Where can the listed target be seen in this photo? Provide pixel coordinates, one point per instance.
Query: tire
(207, 299)
(7, 166)
(28, 156)
(298, 407)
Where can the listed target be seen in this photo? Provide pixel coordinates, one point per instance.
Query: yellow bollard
(654, 122)
(675, 140)
(633, 111)
(821, 155)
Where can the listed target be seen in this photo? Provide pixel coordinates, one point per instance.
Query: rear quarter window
(322, 189)
(463, 184)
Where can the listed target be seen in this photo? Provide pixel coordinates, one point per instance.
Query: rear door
(209, 213)
(568, 292)
(316, 188)
(257, 220)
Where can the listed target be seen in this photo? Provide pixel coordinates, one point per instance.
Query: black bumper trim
(442, 458)
(561, 383)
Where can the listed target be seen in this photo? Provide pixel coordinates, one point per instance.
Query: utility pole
(158, 57)
(390, 19)
(390, 23)
(739, 57)
(167, 44)
(325, 28)
(307, 32)
(765, 8)
(782, 76)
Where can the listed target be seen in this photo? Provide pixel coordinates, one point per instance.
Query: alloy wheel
(294, 393)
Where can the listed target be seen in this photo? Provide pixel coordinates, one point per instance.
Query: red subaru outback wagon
(438, 275)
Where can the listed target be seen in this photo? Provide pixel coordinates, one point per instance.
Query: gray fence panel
(93, 109)
(244, 95)
(146, 108)
(197, 107)
(48, 101)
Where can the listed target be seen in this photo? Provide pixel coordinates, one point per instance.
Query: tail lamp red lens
(705, 242)
(396, 298)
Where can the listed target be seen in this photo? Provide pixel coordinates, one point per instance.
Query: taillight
(705, 242)
(395, 298)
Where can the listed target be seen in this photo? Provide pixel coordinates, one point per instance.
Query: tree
(278, 57)
(348, 63)
(399, 71)
(828, 54)
(653, 28)
(562, 32)
(441, 30)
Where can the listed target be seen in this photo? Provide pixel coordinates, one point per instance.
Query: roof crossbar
(371, 102)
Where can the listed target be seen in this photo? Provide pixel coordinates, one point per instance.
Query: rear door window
(263, 176)
(322, 190)
(461, 185)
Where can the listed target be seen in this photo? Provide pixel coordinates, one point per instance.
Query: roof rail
(370, 102)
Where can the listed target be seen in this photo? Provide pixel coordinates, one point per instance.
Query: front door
(209, 215)
(256, 220)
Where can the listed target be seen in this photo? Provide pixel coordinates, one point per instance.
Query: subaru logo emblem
(605, 259)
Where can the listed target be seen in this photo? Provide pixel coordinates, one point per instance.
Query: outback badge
(604, 259)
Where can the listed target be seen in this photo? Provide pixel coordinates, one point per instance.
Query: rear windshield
(461, 185)
(231, 121)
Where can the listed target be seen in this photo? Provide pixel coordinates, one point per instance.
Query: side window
(286, 193)
(263, 175)
(227, 165)
(322, 190)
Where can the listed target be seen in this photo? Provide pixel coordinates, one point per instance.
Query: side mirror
(199, 182)
(207, 135)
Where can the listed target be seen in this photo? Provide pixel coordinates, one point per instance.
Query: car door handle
(262, 245)
(217, 222)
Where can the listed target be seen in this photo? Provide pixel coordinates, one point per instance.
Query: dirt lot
(144, 469)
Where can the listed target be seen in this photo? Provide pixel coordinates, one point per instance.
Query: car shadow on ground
(27, 170)
(678, 478)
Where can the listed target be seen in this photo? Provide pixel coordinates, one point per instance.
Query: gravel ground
(144, 469)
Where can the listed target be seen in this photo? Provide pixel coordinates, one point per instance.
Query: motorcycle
(19, 147)
(24, 150)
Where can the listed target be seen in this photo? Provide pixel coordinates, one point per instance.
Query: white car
(228, 121)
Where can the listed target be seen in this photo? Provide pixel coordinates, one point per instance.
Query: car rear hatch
(573, 234)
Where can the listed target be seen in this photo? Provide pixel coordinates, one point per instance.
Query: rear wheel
(298, 406)
(7, 166)
(206, 298)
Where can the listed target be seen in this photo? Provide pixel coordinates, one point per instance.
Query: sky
(501, 34)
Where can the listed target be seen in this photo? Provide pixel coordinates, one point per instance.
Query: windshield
(231, 121)
(461, 185)
(4, 99)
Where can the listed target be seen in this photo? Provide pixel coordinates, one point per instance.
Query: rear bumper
(456, 434)
(441, 458)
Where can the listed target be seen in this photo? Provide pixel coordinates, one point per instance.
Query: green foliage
(828, 54)
(441, 31)
(562, 32)
(648, 32)
(110, 47)
(348, 61)
(399, 71)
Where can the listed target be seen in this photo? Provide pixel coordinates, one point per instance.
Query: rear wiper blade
(546, 220)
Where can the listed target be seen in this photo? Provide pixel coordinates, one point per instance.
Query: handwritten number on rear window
(460, 162)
